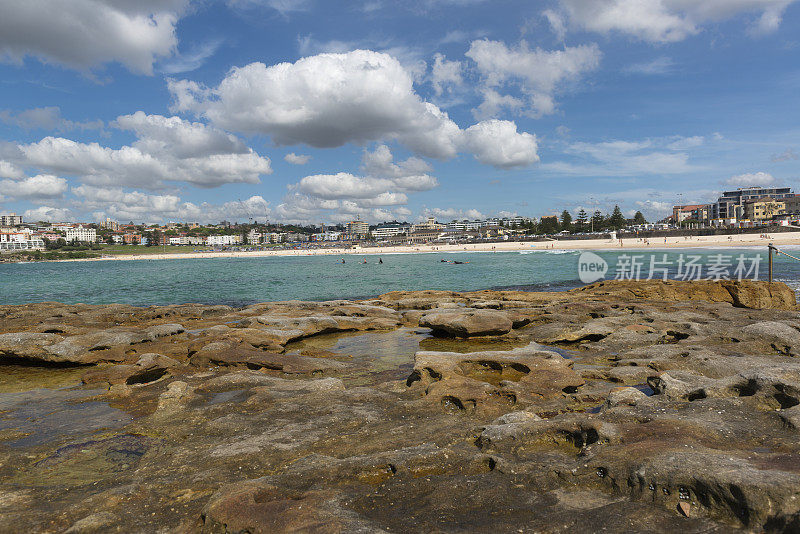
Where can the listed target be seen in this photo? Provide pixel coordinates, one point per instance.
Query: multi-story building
(10, 220)
(763, 209)
(385, 232)
(19, 241)
(254, 237)
(430, 224)
(358, 229)
(328, 235)
(792, 205)
(731, 204)
(223, 240)
(81, 234)
(110, 224)
(132, 239)
(296, 237)
(695, 212)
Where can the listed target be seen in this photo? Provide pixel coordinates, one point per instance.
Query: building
(10, 220)
(424, 235)
(296, 237)
(382, 233)
(691, 212)
(254, 237)
(763, 209)
(19, 241)
(132, 239)
(223, 240)
(731, 204)
(429, 224)
(110, 224)
(81, 234)
(328, 235)
(358, 229)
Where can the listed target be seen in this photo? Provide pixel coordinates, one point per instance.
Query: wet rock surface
(617, 407)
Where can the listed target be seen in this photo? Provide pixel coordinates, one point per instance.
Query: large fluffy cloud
(326, 101)
(85, 33)
(539, 73)
(498, 143)
(35, 187)
(143, 207)
(48, 213)
(159, 135)
(166, 149)
(381, 194)
(668, 20)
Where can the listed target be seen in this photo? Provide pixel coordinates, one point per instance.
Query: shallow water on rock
(41, 416)
(17, 378)
(385, 356)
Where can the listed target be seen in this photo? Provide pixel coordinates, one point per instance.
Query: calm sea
(242, 281)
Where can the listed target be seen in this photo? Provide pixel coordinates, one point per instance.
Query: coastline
(736, 240)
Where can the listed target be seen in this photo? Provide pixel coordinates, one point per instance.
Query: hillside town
(742, 208)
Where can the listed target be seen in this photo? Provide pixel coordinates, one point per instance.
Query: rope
(785, 254)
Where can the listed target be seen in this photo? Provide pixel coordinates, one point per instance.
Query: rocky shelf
(620, 406)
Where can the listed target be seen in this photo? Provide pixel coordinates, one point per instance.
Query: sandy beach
(733, 240)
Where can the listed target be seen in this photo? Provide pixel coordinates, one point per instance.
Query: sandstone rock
(744, 294)
(492, 380)
(93, 523)
(576, 430)
(467, 322)
(724, 485)
(164, 330)
(780, 336)
(625, 397)
(148, 368)
(31, 346)
(262, 508)
(232, 353)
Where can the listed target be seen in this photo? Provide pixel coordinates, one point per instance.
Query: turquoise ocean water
(242, 281)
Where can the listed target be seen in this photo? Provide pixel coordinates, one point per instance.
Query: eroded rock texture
(619, 407)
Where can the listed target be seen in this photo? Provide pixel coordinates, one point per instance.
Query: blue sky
(307, 111)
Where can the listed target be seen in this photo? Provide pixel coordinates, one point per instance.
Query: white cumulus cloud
(35, 187)
(166, 149)
(85, 33)
(326, 101)
(662, 21)
(539, 73)
(497, 143)
(48, 213)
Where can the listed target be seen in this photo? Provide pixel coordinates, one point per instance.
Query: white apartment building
(179, 240)
(386, 232)
(223, 240)
(255, 238)
(81, 234)
(10, 220)
(19, 241)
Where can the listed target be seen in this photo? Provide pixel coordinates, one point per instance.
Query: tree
(638, 218)
(617, 220)
(598, 221)
(566, 221)
(548, 225)
(582, 222)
